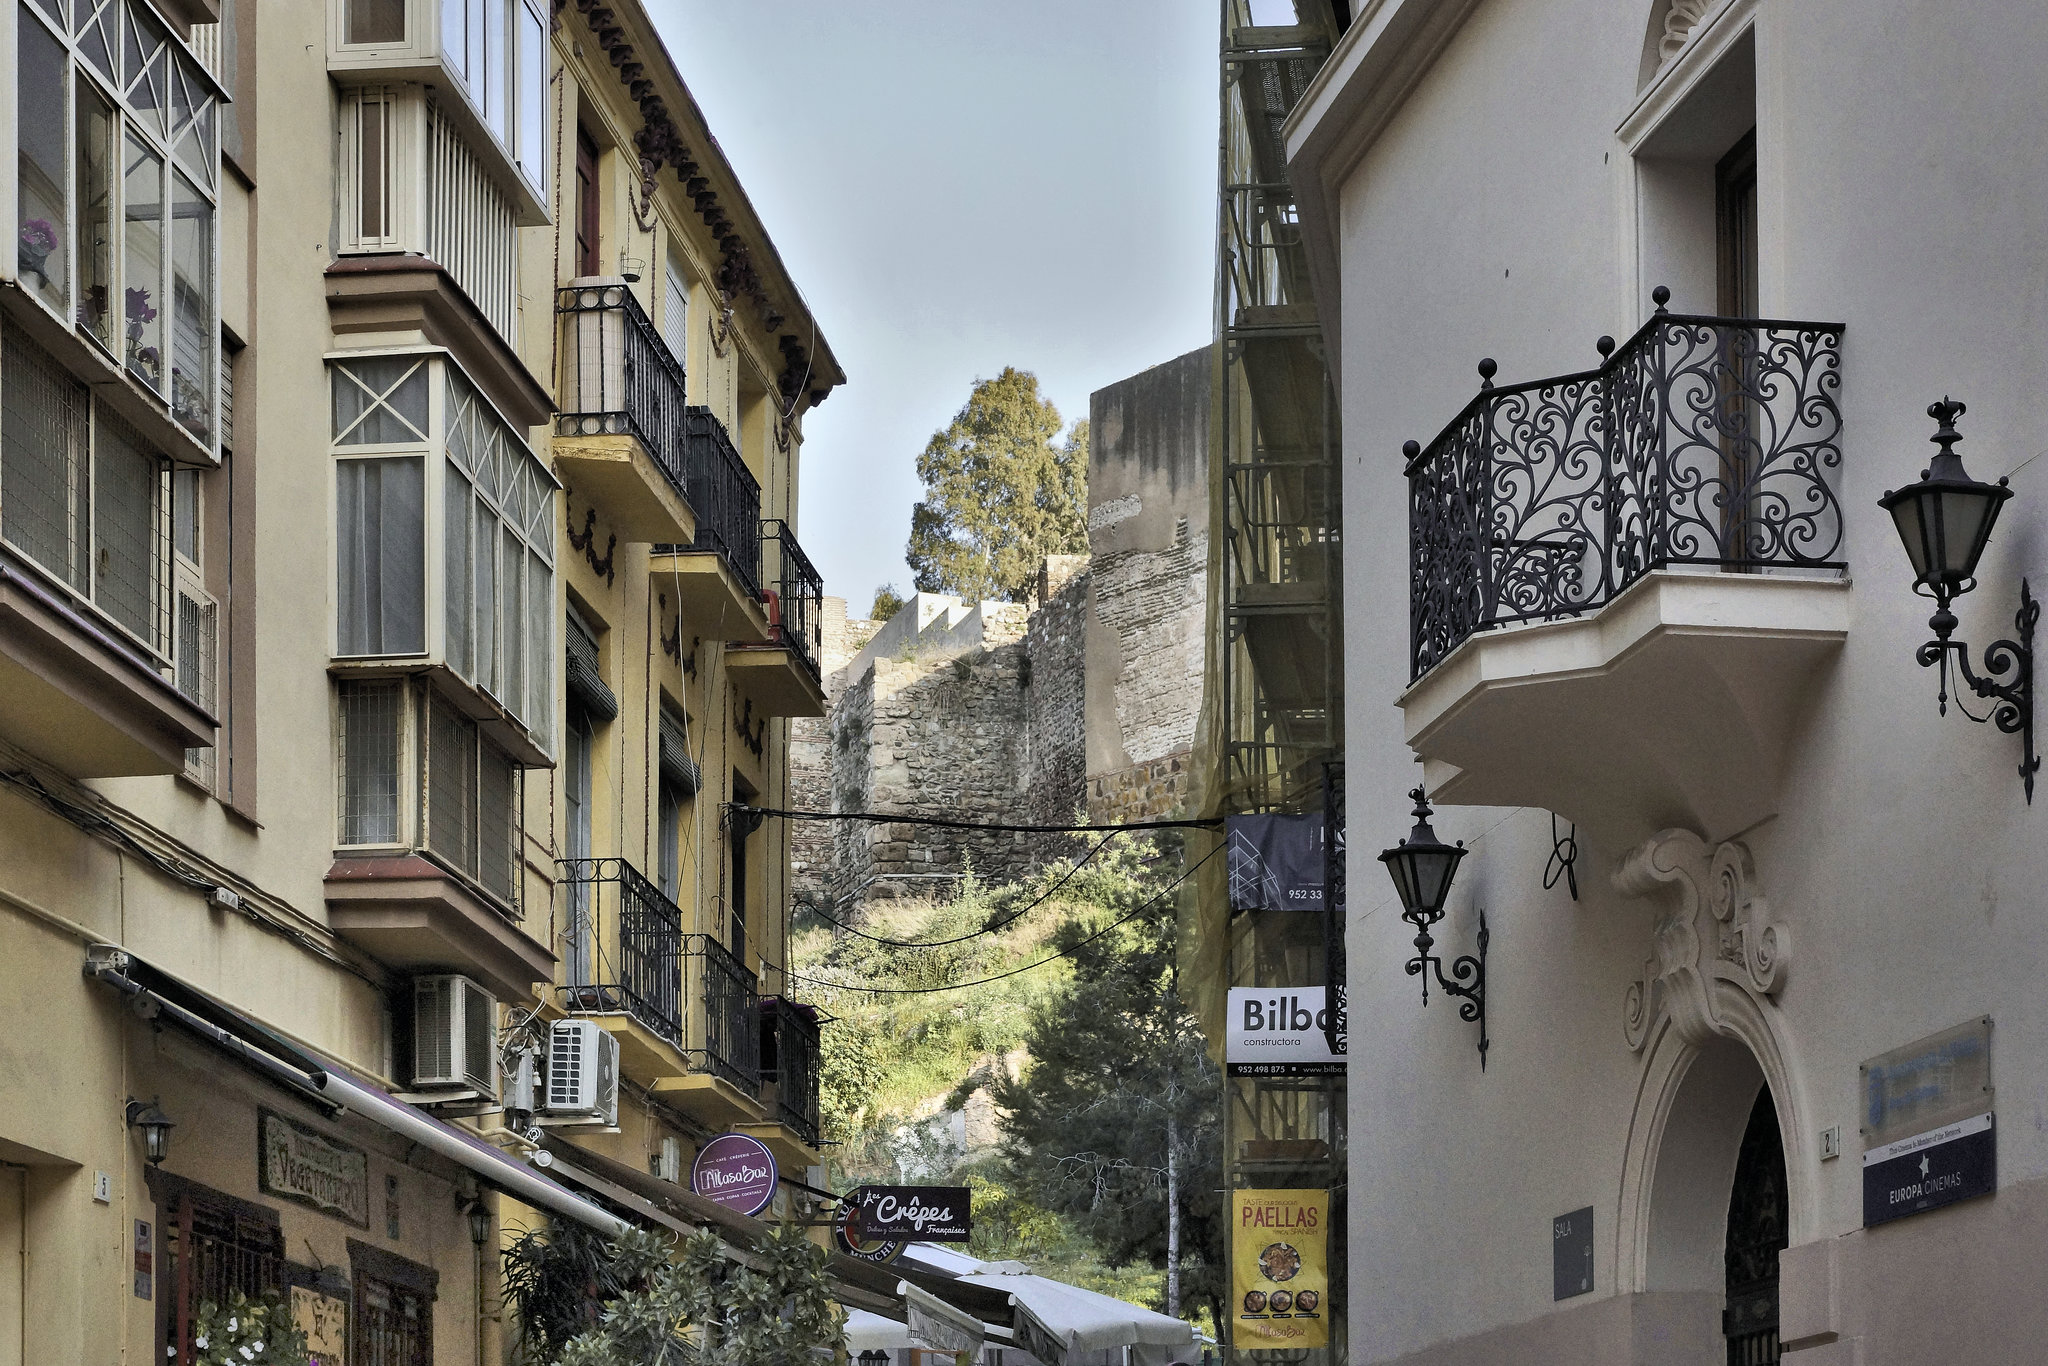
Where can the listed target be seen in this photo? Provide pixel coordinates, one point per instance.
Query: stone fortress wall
(1082, 703)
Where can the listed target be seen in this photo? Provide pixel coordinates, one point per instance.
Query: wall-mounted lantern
(156, 1129)
(1422, 867)
(1944, 521)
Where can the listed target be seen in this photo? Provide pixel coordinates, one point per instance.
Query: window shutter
(586, 684)
(677, 767)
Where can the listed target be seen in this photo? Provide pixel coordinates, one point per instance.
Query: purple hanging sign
(736, 1171)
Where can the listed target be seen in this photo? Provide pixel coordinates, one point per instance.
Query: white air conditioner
(583, 1073)
(454, 1035)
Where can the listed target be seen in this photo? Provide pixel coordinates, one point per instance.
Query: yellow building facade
(400, 604)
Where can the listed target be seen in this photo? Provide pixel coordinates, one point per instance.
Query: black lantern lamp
(1945, 521)
(156, 1129)
(1422, 867)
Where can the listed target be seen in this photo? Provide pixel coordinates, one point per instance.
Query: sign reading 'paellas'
(1280, 1270)
(736, 1171)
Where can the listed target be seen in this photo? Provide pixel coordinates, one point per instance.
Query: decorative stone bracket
(1717, 928)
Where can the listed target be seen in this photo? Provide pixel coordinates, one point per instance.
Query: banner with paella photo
(1280, 1281)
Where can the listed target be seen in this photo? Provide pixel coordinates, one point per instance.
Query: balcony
(1621, 580)
(789, 1080)
(619, 437)
(717, 574)
(783, 676)
(681, 1007)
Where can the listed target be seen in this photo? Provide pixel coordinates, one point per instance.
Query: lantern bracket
(1466, 979)
(2008, 676)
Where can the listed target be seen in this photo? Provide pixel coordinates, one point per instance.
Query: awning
(331, 1087)
(1054, 1319)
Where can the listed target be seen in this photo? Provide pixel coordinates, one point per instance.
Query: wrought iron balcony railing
(625, 945)
(618, 375)
(725, 496)
(1700, 441)
(789, 1059)
(799, 593)
(731, 1001)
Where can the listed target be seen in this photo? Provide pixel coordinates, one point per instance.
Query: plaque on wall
(323, 1319)
(1929, 1136)
(1571, 1254)
(305, 1166)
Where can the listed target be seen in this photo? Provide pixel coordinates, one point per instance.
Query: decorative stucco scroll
(1679, 22)
(1717, 927)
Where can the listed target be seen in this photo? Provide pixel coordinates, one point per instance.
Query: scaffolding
(1276, 673)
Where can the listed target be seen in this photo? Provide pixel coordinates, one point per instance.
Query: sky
(957, 186)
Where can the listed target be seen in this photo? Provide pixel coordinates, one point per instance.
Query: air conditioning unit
(583, 1073)
(454, 1035)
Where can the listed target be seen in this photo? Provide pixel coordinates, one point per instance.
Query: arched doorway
(1757, 1233)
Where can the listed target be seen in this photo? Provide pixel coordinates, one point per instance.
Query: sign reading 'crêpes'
(932, 1214)
(736, 1171)
(300, 1164)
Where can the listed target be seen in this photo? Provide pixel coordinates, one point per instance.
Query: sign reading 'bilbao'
(1280, 1032)
(736, 1171)
(931, 1214)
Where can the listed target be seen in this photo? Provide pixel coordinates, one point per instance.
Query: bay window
(121, 241)
(444, 536)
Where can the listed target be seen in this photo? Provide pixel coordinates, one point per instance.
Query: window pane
(185, 512)
(461, 604)
(496, 808)
(381, 401)
(381, 541)
(474, 61)
(194, 376)
(142, 204)
(485, 559)
(668, 838)
(98, 28)
(497, 68)
(45, 473)
(39, 83)
(94, 165)
(455, 36)
(124, 510)
(370, 715)
(675, 311)
(511, 638)
(533, 95)
(539, 711)
(372, 170)
(451, 786)
(145, 64)
(376, 21)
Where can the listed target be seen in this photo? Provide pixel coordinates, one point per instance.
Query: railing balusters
(619, 377)
(800, 594)
(725, 495)
(1701, 441)
(643, 975)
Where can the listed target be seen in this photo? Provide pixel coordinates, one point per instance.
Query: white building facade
(1650, 613)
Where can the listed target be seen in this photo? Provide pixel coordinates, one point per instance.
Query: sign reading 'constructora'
(1279, 1268)
(1279, 1032)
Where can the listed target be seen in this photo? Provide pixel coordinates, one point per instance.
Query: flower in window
(139, 311)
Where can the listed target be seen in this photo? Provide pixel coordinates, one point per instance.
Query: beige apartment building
(400, 418)
(1636, 313)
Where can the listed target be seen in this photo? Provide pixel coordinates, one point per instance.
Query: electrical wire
(989, 928)
(947, 823)
(984, 981)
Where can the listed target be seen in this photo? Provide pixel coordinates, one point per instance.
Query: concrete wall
(1148, 537)
(1496, 211)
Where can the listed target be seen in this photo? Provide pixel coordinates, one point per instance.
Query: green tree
(1117, 1121)
(888, 602)
(1002, 490)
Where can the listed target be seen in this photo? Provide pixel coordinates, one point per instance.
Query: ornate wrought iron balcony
(1702, 441)
(726, 496)
(789, 1060)
(799, 591)
(625, 945)
(619, 377)
(731, 1003)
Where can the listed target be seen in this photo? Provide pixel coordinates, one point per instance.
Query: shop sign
(932, 1214)
(1571, 1254)
(1281, 1032)
(312, 1169)
(1280, 1278)
(735, 1171)
(1955, 1162)
(856, 1242)
(1276, 862)
(324, 1321)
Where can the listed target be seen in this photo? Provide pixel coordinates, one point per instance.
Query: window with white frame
(81, 493)
(444, 532)
(118, 221)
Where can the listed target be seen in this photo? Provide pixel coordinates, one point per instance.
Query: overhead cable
(989, 928)
(1001, 827)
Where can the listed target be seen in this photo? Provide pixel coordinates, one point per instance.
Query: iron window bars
(1700, 441)
(799, 592)
(619, 376)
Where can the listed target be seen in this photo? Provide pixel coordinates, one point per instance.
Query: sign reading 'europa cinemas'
(736, 1171)
(1279, 1032)
(1929, 1138)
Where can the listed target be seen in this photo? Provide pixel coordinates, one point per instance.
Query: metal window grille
(497, 826)
(210, 1253)
(45, 462)
(471, 230)
(372, 716)
(450, 786)
(394, 1325)
(130, 532)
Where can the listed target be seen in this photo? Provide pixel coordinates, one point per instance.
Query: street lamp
(156, 1129)
(1422, 867)
(1944, 521)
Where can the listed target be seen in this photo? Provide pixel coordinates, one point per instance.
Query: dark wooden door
(586, 204)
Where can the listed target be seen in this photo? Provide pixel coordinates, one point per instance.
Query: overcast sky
(956, 186)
